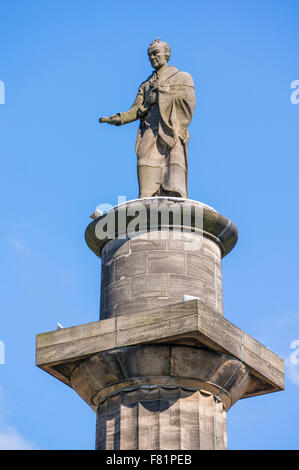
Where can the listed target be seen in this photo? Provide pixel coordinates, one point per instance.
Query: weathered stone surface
(161, 418)
(130, 265)
(115, 248)
(180, 390)
(189, 243)
(143, 243)
(108, 373)
(192, 268)
(186, 285)
(195, 267)
(155, 302)
(151, 285)
(119, 290)
(166, 262)
(108, 274)
(132, 306)
(188, 323)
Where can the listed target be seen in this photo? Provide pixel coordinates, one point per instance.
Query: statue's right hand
(115, 120)
(150, 100)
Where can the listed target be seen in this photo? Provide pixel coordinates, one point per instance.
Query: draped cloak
(163, 134)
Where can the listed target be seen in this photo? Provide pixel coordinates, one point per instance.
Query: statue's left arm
(176, 104)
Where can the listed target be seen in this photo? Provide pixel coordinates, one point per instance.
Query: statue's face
(157, 56)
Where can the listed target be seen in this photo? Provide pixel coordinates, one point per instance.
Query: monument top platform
(160, 214)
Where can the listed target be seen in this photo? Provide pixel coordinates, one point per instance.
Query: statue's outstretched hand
(115, 119)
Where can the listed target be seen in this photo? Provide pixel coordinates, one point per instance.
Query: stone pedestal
(160, 373)
(177, 250)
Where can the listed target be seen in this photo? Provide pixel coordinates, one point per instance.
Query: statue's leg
(174, 180)
(149, 179)
(163, 192)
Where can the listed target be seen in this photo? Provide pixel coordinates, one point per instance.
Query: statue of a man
(164, 104)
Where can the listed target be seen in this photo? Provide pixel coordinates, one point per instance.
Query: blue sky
(64, 64)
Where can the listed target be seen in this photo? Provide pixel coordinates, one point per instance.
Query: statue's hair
(164, 44)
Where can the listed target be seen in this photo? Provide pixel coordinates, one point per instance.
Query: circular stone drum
(156, 250)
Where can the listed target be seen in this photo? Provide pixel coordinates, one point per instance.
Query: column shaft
(154, 419)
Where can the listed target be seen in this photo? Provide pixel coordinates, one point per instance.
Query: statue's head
(159, 53)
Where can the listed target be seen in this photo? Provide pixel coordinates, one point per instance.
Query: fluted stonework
(161, 418)
(156, 395)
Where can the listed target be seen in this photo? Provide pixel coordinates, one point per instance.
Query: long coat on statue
(163, 135)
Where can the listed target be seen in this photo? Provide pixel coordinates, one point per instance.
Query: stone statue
(164, 104)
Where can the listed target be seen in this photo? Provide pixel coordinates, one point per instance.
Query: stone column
(160, 396)
(160, 373)
(161, 418)
(177, 251)
(154, 269)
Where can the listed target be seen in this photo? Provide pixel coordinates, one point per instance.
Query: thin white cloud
(19, 246)
(292, 371)
(10, 439)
